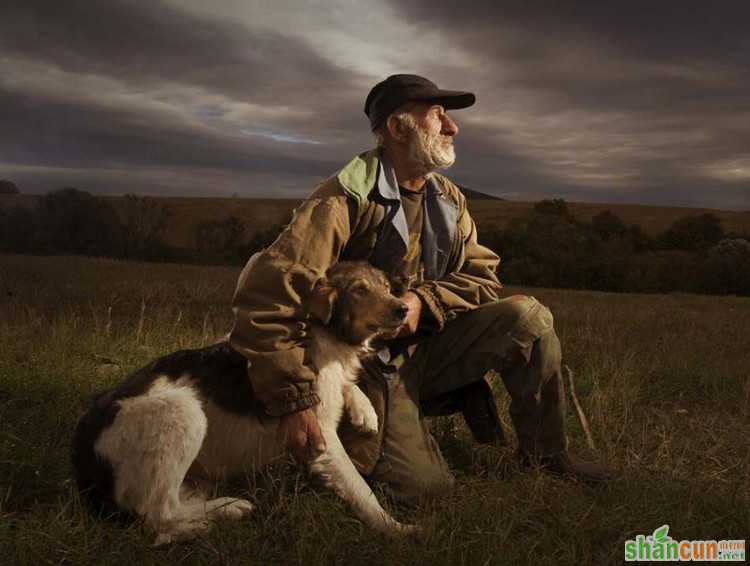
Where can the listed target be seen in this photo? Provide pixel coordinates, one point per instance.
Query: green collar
(358, 177)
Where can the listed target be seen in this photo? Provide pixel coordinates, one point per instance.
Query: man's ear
(396, 129)
(321, 302)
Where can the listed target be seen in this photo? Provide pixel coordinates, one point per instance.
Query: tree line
(71, 221)
(546, 247)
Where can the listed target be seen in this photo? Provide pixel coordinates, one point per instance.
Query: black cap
(388, 95)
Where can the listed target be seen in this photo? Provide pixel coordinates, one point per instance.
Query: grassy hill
(260, 214)
(664, 380)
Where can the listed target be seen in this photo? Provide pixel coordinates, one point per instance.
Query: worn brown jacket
(343, 220)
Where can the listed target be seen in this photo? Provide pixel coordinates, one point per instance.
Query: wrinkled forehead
(418, 107)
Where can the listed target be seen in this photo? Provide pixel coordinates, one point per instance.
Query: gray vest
(438, 229)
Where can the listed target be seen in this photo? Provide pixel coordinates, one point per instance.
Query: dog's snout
(401, 311)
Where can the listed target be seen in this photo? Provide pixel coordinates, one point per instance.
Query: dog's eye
(360, 289)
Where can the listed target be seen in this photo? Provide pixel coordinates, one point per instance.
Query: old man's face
(430, 137)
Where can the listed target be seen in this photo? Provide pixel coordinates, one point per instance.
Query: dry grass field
(665, 381)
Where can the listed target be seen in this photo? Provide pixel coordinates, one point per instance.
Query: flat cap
(388, 95)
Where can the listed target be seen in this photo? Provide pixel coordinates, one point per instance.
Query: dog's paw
(163, 539)
(182, 531)
(361, 413)
(229, 508)
(363, 418)
(412, 531)
(238, 509)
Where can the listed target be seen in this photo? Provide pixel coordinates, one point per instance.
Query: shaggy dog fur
(193, 414)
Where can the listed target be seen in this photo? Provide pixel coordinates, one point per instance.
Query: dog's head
(356, 301)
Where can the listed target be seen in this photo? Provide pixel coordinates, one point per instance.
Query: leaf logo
(660, 534)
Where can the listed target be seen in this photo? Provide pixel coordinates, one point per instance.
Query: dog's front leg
(336, 469)
(362, 414)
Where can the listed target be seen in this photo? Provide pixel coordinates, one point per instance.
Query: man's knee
(413, 465)
(519, 321)
(521, 312)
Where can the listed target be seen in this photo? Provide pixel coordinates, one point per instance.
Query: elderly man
(389, 207)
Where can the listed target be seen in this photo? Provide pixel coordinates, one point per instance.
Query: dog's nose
(401, 311)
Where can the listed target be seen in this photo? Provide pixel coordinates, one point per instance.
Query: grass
(665, 381)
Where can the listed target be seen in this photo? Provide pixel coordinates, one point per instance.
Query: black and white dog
(193, 414)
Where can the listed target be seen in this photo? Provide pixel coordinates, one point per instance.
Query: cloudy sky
(634, 101)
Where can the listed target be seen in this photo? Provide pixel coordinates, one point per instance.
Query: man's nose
(450, 128)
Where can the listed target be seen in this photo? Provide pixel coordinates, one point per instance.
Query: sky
(622, 102)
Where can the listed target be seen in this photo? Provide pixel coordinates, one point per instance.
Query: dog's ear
(399, 284)
(321, 301)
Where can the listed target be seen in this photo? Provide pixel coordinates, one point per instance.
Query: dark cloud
(631, 102)
(519, 177)
(636, 94)
(511, 173)
(40, 131)
(149, 41)
(636, 56)
(676, 30)
(147, 47)
(633, 55)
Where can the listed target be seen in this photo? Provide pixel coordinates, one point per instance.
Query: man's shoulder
(450, 189)
(355, 180)
(358, 177)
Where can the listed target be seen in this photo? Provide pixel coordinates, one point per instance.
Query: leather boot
(477, 404)
(567, 466)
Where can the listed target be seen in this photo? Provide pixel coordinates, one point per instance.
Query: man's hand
(301, 433)
(414, 303)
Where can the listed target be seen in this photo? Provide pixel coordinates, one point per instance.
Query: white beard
(430, 152)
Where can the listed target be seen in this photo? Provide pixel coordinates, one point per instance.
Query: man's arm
(269, 327)
(470, 282)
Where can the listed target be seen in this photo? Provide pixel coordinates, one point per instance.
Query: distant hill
(8, 187)
(488, 211)
(476, 195)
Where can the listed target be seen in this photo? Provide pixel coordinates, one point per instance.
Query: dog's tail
(94, 474)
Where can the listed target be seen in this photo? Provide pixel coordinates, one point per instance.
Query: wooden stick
(140, 321)
(579, 410)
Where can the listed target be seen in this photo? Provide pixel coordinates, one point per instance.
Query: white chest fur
(338, 368)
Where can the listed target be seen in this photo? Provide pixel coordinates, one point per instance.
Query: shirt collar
(388, 186)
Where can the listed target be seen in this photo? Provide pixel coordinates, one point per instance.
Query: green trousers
(515, 337)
